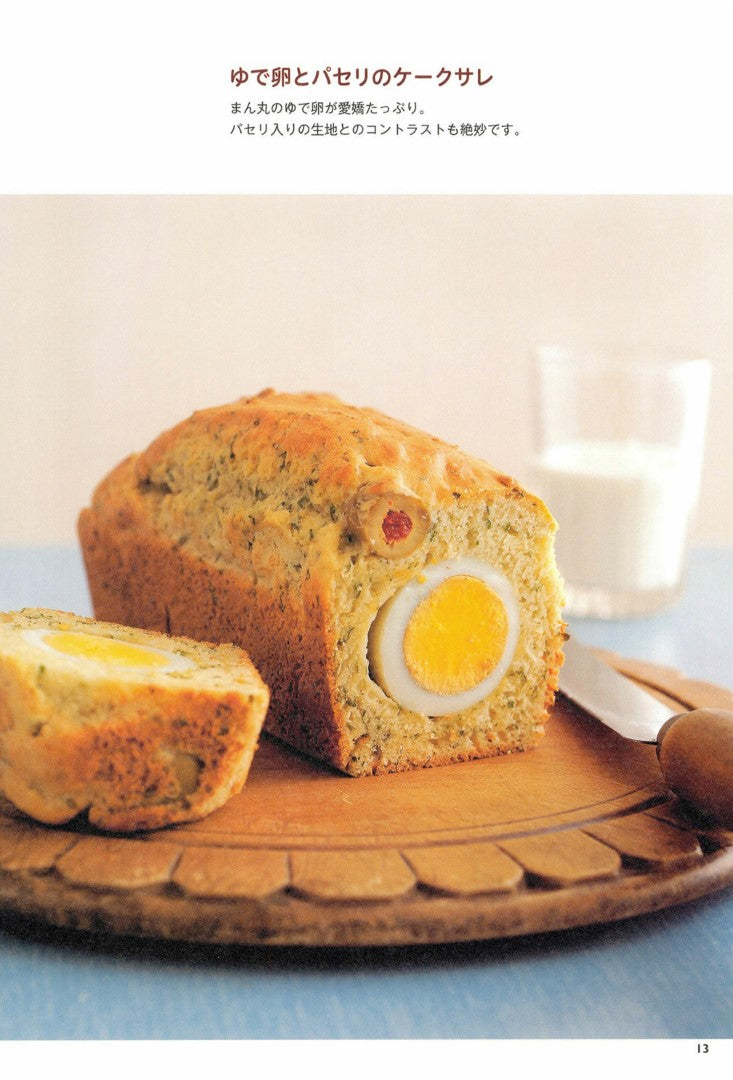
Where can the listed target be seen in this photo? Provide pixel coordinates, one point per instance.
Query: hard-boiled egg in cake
(76, 646)
(444, 641)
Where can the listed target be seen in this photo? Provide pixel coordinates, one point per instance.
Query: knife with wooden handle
(695, 749)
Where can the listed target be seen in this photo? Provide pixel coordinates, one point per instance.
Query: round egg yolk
(456, 636)
(105, 649)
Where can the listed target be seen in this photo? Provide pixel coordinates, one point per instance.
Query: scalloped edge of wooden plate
(622, 856)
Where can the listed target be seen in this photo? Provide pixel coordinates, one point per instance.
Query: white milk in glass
(623, 511)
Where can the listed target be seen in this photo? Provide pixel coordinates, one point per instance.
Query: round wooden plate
(577, 831)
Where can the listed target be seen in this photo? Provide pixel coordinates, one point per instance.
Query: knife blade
(695, 749)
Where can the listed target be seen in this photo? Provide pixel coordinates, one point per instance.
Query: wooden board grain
(579, 830)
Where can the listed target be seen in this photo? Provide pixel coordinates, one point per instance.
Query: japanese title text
(340, 76)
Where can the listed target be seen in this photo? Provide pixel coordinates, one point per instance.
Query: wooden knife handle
(695, 751)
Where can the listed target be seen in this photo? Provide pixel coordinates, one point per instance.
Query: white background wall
(121, 315)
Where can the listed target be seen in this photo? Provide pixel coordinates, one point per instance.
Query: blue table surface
(657, 976)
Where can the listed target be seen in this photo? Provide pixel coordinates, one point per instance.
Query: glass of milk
(619, 447)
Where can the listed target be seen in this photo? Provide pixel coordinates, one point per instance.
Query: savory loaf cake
(399, 597)
(134, 728)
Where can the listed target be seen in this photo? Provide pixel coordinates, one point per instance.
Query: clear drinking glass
(618, 457)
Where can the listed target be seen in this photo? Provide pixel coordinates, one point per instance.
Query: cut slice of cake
(132, 728)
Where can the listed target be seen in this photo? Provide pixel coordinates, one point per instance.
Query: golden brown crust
(348, 445)
(131, 750)
(238, 525)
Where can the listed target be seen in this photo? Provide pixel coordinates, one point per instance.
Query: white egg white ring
(35, 637)
(388, 630)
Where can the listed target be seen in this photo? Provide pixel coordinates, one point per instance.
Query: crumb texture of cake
(399, 596)
(132, 728)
